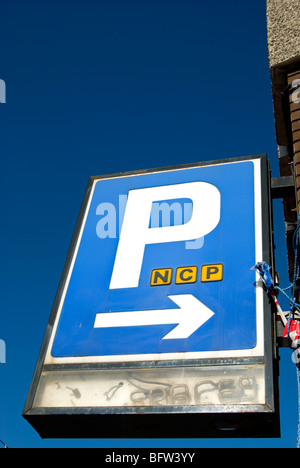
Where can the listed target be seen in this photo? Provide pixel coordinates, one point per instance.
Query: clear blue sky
(108, 86)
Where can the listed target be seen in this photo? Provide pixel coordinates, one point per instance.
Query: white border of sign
(246, 353)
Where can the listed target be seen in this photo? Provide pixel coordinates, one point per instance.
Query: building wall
(283, 18)
(283, 22)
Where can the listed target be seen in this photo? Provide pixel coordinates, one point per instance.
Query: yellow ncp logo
(186, 275)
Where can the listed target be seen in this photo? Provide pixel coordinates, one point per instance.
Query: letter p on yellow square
(212, 272)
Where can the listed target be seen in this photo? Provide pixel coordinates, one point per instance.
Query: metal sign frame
(177, 420)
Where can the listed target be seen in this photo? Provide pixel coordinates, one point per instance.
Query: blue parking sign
(162, 267)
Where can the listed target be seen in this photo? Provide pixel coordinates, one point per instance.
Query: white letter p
(136, 233)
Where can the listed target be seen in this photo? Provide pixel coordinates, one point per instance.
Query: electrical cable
(264, 270)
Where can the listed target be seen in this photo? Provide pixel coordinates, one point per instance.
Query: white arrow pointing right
(190, 316)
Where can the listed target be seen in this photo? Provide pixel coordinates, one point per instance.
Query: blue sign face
(163, 266)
